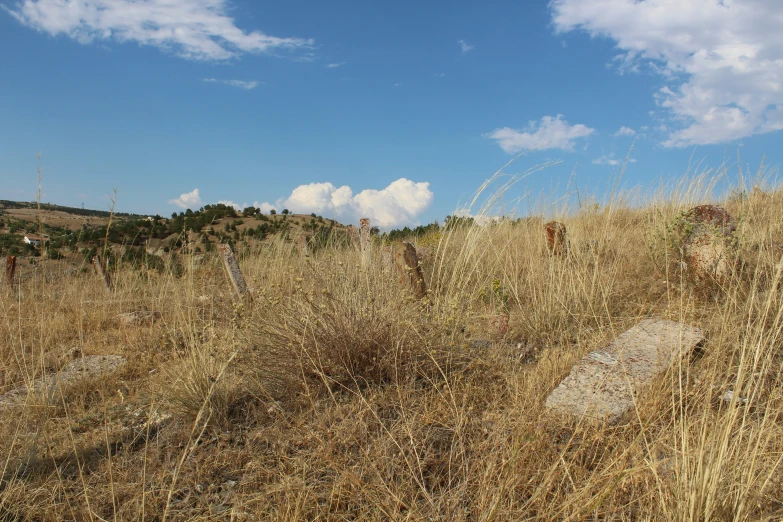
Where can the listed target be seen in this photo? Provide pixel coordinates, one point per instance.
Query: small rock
(729, 395)
(138, 318)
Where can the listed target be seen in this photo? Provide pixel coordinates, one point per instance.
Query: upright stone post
(409, 269)
(232, 268)
(364, 234)
(102, 272)
(10, 270)
(304, 246)
(556, 240)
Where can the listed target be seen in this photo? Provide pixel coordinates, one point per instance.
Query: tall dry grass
(334, 395)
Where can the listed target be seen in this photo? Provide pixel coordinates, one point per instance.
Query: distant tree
(285, 211)
(273, 212)
(250, 211)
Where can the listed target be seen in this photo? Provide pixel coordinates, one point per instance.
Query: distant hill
(6, 204)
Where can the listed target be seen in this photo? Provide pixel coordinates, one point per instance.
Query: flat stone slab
(78, 370)
(603, 384)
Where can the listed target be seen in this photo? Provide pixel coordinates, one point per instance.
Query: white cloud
(230, 203)
(723, 59)
(192, 29)
(189, 200)
(624, 131)
(550, 133)
(398, 204)
(335, 65)
(241, 84)
(464, 46)
(610, 160)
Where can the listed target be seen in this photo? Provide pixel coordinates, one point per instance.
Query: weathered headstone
(102, 272)
(364, 233)
(556, 240)
(708, 234)
(304, 245)
(409, 269)
(603, 384)
(10, 269)
(232, 268)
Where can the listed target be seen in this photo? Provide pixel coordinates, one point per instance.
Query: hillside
(334, 394)
(75, 235)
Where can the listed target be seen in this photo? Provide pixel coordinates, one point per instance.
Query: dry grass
(333, 395)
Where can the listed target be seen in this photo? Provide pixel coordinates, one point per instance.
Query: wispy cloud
(550, 133)
(722, 60)
(624, 131)
(241, 84)
(465, 46)
(335, 65)
(192, 29)
(189, 200)
(610, 159)
(398, 84)
(399, 204)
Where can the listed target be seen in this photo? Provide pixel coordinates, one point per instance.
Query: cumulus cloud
(229, 203)
(192, 29)
(550, 133)
(464, 46)
(722, 59)
(624, 131)
(398, 204)
(241, 84)
(189, 200)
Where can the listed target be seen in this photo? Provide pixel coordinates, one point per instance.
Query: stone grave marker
(102, 273)
(556, 240)
(708, 234)
(232, 268)
(10, 269)
(603, 383)
(409, 269)
(364, 233)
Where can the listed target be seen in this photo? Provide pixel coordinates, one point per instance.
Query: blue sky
(396, 110)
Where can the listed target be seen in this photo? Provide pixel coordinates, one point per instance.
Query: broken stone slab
(138, 317)
(232, 268)
(76, 371)
(603, 384)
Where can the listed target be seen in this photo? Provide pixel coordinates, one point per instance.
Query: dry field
(57, 218)
(335, 395)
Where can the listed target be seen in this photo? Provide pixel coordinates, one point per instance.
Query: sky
(397, 111)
